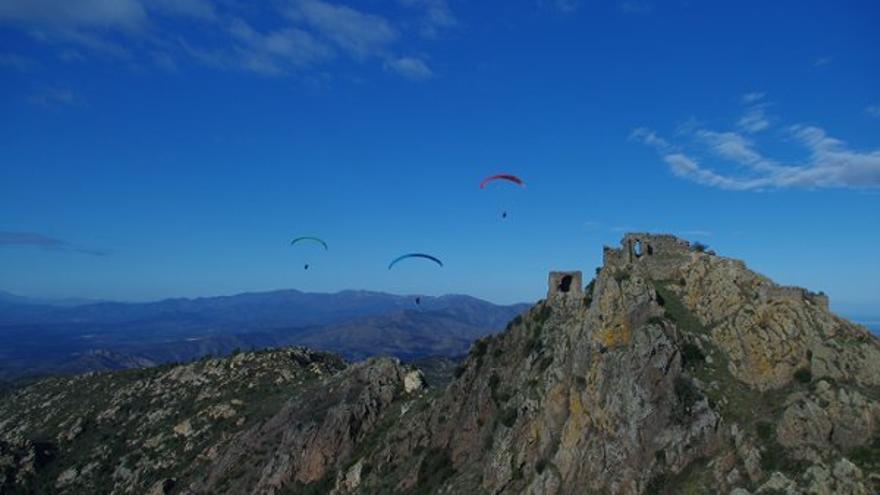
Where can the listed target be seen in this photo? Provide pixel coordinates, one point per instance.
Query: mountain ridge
(110, 335)
(673, 371)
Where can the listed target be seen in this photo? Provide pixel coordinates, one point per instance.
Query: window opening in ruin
(565, 284)
(637, 248)
(650, 250)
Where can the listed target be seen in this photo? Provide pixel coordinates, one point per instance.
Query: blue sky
(156, 149)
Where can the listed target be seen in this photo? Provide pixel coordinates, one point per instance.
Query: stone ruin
(565, 284)
(660, 257)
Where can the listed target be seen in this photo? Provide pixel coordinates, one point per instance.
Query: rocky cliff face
(673, 371)
(251, 423)
(677, 371)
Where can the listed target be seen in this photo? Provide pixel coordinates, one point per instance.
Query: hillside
(160, 429)
(673, 371)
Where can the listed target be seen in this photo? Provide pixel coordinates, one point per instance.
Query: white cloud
(307, 33)
(200, 9)
(830, 163)
(68, 14)
(754, 120)
(17, 62)
(567, 6)
(56, 97)
(436, 16)
(358, 33)
(754, 97)
(410, 67)
(636, 7)
(822, 61)
(89, 41)
(737, 148)
(650, 138)
(273, 52)
(873, 111)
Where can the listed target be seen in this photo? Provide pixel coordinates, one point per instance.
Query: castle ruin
(565, 284)
(661, 257)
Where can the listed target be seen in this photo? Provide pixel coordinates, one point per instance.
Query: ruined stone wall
(791, 293)
(565, 284)
(655, 255)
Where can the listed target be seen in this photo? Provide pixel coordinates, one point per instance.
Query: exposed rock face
(676, 371)
(673, 371)
(254, 422)
(311, 438)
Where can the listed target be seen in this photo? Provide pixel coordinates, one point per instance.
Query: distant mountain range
(43, 336)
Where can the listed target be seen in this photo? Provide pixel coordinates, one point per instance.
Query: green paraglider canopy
(310, 238)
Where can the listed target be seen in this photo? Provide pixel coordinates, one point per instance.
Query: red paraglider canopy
(507, 177)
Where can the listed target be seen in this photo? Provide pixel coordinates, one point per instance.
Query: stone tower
(565, 284)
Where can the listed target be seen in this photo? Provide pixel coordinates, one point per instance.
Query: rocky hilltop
(673, 371)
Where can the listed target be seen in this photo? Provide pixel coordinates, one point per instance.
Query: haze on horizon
(160, 149)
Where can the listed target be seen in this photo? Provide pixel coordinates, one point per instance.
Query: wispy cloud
(753, 97)
(436, 16)
(566, 6)
(636, 7)
(830, 162)
(822, 61)
(31, 239)
(17, 62)
(356, 32)
(304, 34)
(273, 52)
(410, 67)
(873, 111)
(755, 118)
(72, 14)
(55, 97)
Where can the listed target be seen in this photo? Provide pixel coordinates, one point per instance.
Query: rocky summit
(674, 370)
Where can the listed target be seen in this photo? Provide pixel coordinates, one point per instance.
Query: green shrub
(687, 395)
(867, 457)
(479, 348)
(655, 320)
(766, 431)
(508, 416)
(803, 375)
(540, 466)
(544, 313)
(699, 247)
(436, 467)
(691, 355)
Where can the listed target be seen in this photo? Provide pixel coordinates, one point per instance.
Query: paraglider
(317, 240)
(414, 255)
(310, 238)
(504, 178)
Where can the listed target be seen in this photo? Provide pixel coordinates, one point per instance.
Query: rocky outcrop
(674, 371)
(254, 422)
(315, 434)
